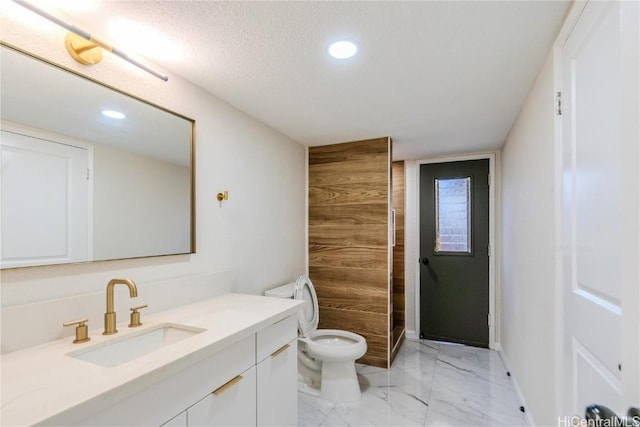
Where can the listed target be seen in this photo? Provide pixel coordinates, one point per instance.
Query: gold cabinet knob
(82, 331)
(134, 321)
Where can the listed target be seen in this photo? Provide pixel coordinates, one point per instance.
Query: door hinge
(489, 249)
(558, 103)
(88, 174)
(489, 180)
(489, 319)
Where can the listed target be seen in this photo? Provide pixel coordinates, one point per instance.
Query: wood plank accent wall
(398, 256)
(349, 256)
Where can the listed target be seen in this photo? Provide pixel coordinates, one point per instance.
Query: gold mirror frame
(190, 139)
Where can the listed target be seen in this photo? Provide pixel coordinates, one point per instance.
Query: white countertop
(43, 381)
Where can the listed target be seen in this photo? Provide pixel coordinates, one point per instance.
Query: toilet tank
(283, 291)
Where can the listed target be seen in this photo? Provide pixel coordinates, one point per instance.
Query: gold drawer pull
(224, 387)
(280, 350)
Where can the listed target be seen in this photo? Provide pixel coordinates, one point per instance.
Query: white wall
(528, 250)
(136, 195)
(257, 236)
(411, 243)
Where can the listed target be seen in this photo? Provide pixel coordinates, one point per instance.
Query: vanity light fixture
(343, 49)
(113, 114)
(82, 46)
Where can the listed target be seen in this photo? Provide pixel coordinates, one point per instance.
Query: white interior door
(600, 214)
(44, 201)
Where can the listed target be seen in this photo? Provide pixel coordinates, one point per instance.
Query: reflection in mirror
(79, 185)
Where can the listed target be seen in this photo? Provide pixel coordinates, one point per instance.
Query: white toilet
(326, 357)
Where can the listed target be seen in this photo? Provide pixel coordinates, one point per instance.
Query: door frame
(412, 232)
(630, 54)
(55, 138)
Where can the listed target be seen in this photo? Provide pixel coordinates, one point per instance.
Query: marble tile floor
(429, 384)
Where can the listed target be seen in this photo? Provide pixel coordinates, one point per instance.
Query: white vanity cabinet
(232, 404)
(264, 395)
(161, 402)
(179, 420)
(241, 369)
(277, 371)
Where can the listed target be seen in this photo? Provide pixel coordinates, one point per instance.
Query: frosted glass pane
(453, 215)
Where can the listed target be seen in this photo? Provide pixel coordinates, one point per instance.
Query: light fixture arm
(89, 37)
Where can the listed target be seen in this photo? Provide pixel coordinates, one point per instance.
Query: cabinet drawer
(233, 404)
(179, 420)
(277, 378)
(274, 337)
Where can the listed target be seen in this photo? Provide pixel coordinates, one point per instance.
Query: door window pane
(453, 215)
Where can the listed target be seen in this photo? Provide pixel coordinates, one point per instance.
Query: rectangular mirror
(78, 185)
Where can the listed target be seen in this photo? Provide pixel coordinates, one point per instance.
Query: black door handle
(633, 417)
(424, 261)
(598, 413)
(601, 415)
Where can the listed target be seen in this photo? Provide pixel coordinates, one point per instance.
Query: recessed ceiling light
(113, 114)
(343, 49)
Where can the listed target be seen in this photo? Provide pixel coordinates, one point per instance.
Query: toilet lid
(308, 316)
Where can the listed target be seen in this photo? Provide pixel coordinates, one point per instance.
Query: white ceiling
(439, 77)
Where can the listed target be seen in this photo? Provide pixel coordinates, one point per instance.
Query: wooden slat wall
(349, 240)
(398, 255)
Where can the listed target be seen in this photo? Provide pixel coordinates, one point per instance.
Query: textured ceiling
(439, 77)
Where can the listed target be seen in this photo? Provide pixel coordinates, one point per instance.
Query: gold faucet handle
(135, 316)
(82, 331)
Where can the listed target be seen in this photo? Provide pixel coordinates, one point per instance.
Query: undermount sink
(121, 350)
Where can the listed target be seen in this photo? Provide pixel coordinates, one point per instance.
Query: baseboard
(411, 335)
(527, 414)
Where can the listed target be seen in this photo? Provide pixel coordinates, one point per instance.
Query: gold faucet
(110, 315)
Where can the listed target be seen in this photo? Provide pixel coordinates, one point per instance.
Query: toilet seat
(332, 345)
(325, 344)
(308, 316)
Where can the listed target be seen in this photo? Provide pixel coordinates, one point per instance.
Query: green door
(454, 252)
